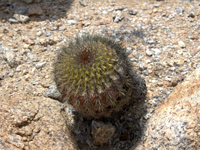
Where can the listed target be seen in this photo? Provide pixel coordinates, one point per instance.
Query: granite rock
(176, 124)
(33, 124)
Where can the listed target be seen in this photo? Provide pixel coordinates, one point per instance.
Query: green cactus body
(93, 74)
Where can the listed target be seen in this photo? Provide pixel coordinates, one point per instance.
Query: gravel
(162, 38)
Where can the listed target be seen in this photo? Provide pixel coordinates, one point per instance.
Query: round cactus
(94, 75)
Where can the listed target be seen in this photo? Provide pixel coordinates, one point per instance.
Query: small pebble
(181, 44)
(40, 65)
(118, 16)
(21, 18)
(132, 11)
(71, 22)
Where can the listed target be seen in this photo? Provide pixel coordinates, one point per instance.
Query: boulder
(175, 125)
(34, 123)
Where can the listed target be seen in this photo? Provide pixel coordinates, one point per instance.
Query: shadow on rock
(16, 11)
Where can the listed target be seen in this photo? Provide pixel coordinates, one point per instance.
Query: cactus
(94, 75)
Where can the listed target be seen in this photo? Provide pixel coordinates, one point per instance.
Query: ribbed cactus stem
(93, 74)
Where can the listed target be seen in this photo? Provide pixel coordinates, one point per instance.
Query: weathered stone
(149, 52)
(180, 11)
(181, 44)
(40, 65)
(179, 62)
(101, 132)
(176, 124)
(62, 28)
(118, 16)
(71, 22)
(21, 18)
(191, 14)
(52, 92)
(174, 81)
(132, 11)
(10, 57)
(156, 51)
(36, 123)
(35, 10)
(12, 20)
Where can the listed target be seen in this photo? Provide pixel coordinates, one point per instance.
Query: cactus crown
(91, 73)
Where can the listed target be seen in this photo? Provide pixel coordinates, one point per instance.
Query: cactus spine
(93, 74)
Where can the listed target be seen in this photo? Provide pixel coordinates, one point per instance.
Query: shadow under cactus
(128, 123)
